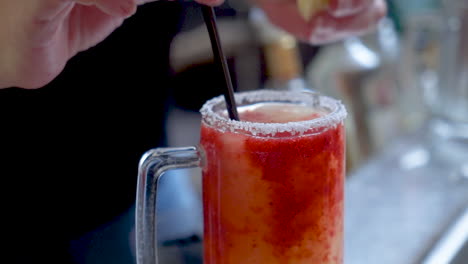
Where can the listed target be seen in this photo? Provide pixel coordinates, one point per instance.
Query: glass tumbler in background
(448, 102)
(273, 183)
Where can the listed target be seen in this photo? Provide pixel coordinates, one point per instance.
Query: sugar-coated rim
(212, 118)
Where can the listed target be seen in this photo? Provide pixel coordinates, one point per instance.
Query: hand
(335, 20)
(38, 37)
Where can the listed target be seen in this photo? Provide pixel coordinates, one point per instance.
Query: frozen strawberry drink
(273, 182)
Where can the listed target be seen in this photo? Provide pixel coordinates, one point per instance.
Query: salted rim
(212, 118)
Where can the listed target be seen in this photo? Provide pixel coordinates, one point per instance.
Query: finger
(120, 8)
(89, 25)
(327, 28)
(52, 9)
(324, 27)
(285, 15)
(48, 18)
(341, 8)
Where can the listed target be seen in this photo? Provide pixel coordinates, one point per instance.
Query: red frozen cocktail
(273, 183)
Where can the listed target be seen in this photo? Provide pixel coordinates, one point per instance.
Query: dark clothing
(69, 151)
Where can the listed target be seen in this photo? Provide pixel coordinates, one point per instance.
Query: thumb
(118, 8)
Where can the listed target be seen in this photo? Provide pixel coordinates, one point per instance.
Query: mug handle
(152, 165)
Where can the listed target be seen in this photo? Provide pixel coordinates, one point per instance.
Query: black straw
(210, 20)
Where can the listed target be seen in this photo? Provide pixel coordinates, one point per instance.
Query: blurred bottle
(282, 58)
(361, 71)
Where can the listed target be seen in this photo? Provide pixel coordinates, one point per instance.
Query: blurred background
(405, 86)
(377, 75)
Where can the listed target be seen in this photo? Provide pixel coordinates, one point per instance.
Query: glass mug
(273, 183)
